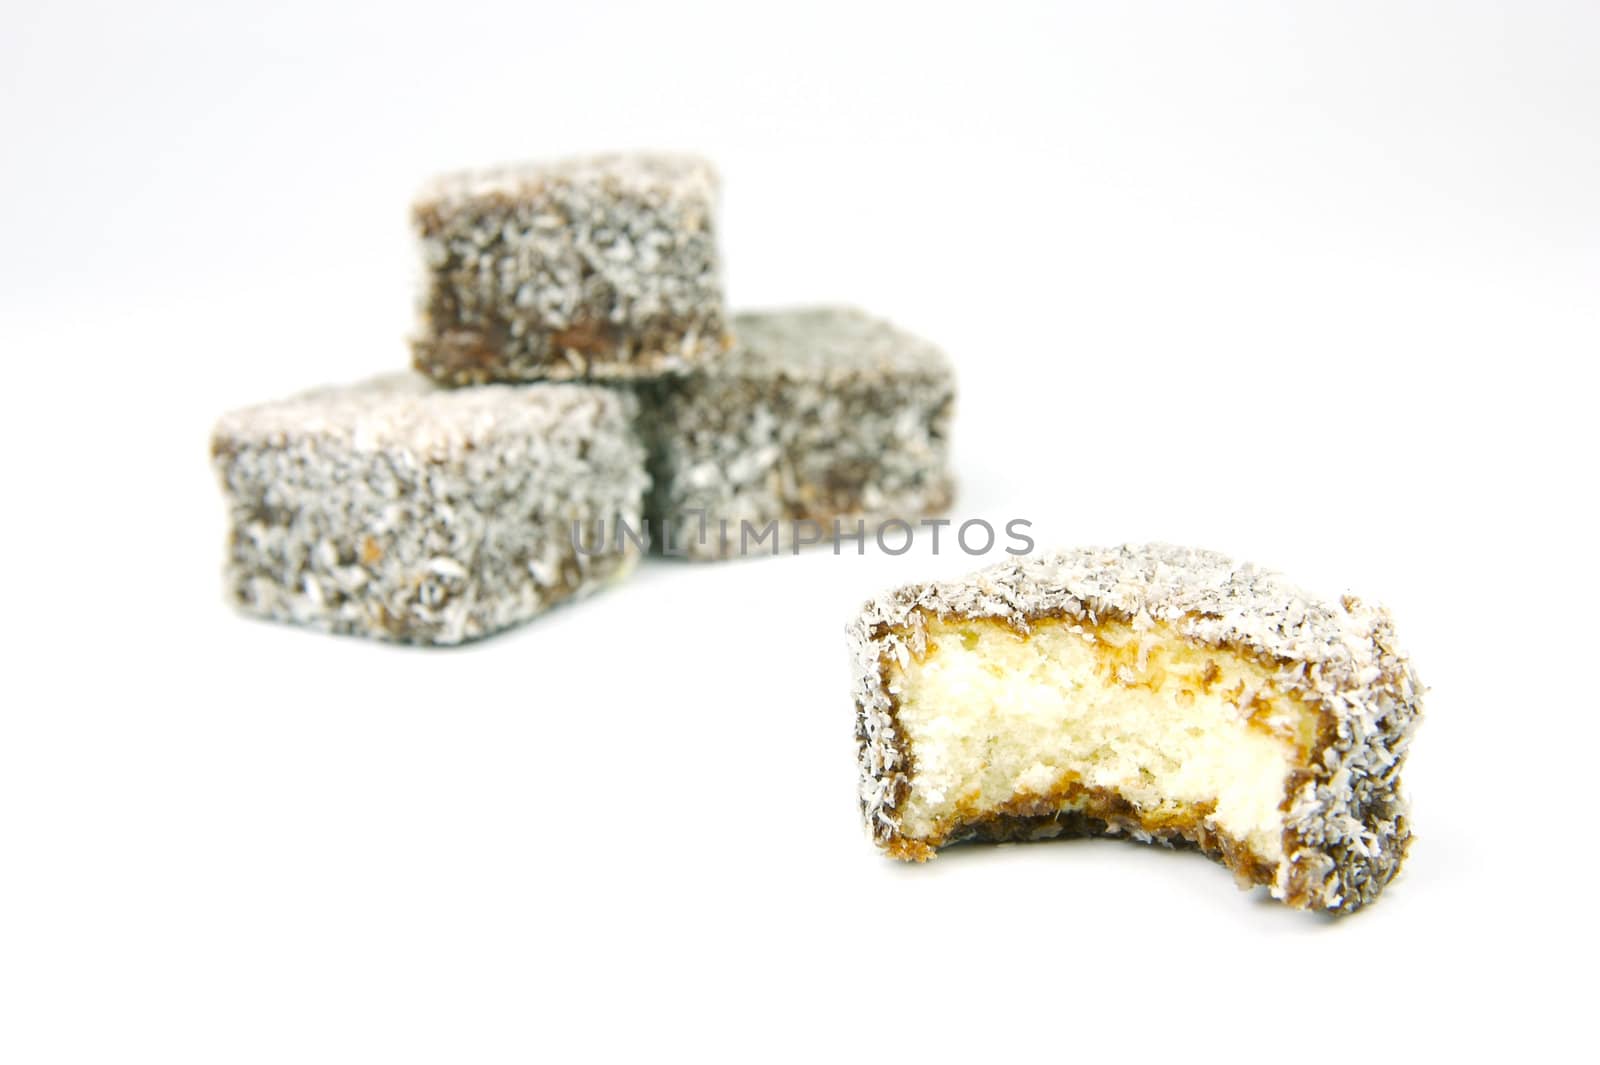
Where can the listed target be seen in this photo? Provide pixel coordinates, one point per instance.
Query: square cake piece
(1157, 693)
(604, 266)
(397, 509)
(818, 415)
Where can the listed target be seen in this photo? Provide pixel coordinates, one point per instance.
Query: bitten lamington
(818, 414)
(396, 509)
(1160, 693)
(604, 266)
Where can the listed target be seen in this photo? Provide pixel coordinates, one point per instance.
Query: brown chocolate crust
(584, 350)
(1076, 810)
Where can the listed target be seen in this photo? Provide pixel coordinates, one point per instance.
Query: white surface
(1311, 284)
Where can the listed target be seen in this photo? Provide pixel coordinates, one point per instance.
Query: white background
(1313, 284)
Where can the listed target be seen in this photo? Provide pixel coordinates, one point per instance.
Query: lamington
(397, 509)
(1158, 693)
(818, 415)
(603, 266)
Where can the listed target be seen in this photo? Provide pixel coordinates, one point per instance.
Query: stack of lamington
(581, 386)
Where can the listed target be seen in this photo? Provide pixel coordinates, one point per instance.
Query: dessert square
(818, 415)
(399, 510)
(597, 267)
(1158, 693)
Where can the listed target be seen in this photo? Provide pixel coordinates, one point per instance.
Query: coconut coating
(601, 266)
(818, 414)
(399, 510)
